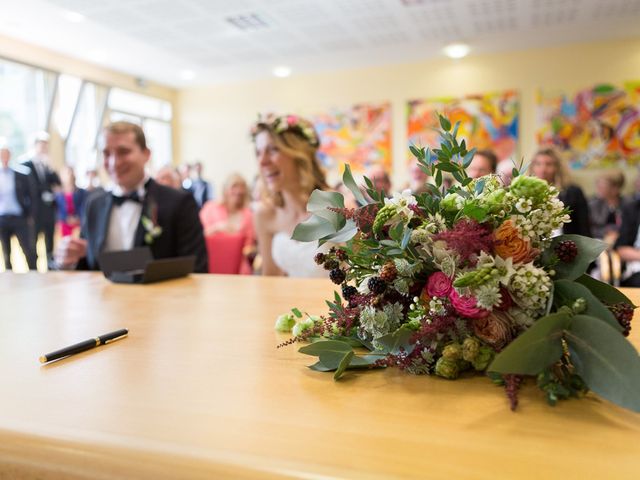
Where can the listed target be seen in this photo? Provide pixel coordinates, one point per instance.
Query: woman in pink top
(228, 229)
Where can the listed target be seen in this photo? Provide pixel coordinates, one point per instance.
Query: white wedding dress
(296, 258)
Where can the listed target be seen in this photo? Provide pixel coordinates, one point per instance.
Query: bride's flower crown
(287, 123)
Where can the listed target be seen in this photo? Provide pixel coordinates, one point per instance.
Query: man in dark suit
(46, 182)
(138, 212)
(201, 189)
(16, 198)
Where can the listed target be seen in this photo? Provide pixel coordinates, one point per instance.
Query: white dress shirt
(8, 200)
(123, 221)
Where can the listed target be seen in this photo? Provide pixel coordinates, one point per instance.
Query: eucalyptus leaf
(394, 342)
(416, 152)
(535, 349)
(448, 167)
(329, 352)
(604, 291)
(350, 183)
(319, 203)
(567, 292)
(313, 228)
(444, 123)
(608, 363)
(346, 233)
(405, 238)
(342, 366)
(588, 250)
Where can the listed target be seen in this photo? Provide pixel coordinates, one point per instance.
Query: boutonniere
(150, 224)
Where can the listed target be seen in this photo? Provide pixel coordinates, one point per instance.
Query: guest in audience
(93, 180)
(47, 183)
(230, 223)
(286, 149)
(548, 165)
(185, 176)
(169, 177)
(417, 179)
(128, 216)
(16, 202)
(628, 243)
(380, 179)
(484, 163)
(70, 203)
(505, 171)
(201, 189)
(605, 207)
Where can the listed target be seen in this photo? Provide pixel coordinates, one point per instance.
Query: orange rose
(509, 244)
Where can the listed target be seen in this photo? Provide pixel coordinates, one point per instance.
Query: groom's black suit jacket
(174, 211)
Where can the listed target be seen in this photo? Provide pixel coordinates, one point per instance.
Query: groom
(136, 213)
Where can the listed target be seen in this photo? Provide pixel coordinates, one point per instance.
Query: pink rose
(466, 305)
(438, 285)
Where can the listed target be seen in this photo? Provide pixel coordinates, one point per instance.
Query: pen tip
(43, 359)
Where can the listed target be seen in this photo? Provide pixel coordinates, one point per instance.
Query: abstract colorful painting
(487, 121)
(360, 135)
(596, 127)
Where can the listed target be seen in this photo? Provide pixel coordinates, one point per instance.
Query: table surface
(199, 390)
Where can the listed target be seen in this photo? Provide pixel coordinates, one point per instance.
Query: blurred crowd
(247, 227)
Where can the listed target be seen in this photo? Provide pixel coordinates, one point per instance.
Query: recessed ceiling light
(74, 17)
(282, 71)
(456, 50)
(187, 74)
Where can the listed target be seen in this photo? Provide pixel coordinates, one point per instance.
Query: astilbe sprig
(468, 238)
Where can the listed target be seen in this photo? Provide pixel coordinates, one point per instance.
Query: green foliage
(566, 293)
(603, 291)
(608, 363)
(588, 250)
(350, 183)
(535, 349)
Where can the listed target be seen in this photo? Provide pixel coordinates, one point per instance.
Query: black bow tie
(132, 197)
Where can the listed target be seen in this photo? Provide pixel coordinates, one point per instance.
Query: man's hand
(70, 251)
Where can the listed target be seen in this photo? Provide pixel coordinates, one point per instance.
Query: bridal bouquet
(466, 280)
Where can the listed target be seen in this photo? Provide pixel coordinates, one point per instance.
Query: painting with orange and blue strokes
(487, 121)
(359, 135)
(595, 127)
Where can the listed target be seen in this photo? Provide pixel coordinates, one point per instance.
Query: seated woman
(547, 165)
(286, 150)
(228, 229)
(70, 203)
(605, 208)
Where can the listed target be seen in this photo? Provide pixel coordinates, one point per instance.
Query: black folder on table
(138, 266)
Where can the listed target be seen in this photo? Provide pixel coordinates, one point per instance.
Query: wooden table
(199, 390)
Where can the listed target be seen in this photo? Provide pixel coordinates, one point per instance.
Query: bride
(286, 149)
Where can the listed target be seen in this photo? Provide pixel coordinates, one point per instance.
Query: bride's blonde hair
(296, 138)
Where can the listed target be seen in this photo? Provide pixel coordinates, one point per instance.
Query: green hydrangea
(470, 349)
(453, 351)
(447, 368)
(483, 358)
(452, 202)
(530, 187)
(284, 323)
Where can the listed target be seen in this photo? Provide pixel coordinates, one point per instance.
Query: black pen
(86, 345)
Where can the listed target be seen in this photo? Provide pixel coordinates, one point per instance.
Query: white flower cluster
(530, 288)
(402, 201)
(538, 226)
(377, 323)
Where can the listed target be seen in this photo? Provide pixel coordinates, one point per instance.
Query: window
(66, 102)
(25, 103)
(152, 114)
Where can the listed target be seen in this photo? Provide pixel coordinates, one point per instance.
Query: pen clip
(117, 338)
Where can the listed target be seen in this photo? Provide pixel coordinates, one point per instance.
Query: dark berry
(331, 264)
(566, 251)
(341, 254)
(377, 285)
(319, 258)
(348, 291)
(624, 314)
(337, 276)
(388, 272)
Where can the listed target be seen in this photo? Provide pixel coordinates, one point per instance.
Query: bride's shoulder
(265, 214)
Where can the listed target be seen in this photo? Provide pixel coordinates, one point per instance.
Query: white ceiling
(159, 39)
